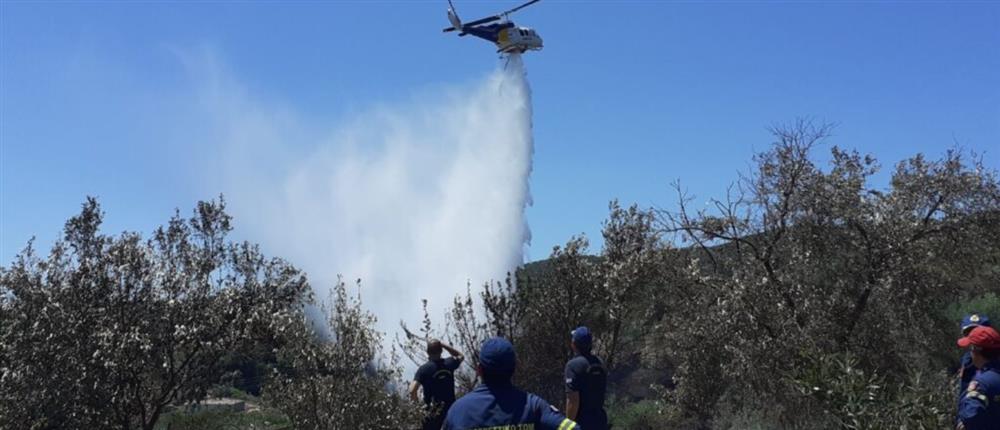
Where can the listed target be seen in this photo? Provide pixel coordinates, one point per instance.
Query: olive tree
(467, 324)
(107, 331)
(631, 271)
(609, 292)
(799, 262)
(345, 381)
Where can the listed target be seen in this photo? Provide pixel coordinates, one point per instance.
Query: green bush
(987, 304)
(225, 391)
(224, 420)
(851, 398)
(644, 415)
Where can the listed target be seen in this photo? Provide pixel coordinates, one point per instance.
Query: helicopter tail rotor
(456, 23)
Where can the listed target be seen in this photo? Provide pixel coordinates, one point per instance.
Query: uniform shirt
(585, 374)
(966, 372)
(504, 407)
(980, 408)
(437, 378)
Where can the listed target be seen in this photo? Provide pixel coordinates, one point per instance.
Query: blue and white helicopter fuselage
(508, 37)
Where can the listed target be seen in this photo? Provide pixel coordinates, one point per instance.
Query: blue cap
(974, 320)
(581, 337)
(497, 355)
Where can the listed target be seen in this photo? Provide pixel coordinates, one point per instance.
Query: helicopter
(509, 38)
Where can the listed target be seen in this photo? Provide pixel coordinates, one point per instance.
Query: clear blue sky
(628, 96)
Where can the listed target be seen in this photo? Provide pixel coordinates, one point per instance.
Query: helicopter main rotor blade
(482, 21)
(520, 7)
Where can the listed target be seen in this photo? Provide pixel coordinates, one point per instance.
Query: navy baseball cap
(581, 337)
(497, 355)
(974, 320)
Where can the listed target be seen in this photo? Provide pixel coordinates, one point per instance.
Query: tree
(609, 293)
(344, 382)
(563, 297)
(799, 263)
(631, 265)
(535, 313)
(107, 331)
(469, 323)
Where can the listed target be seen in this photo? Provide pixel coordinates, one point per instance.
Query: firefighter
(980, 407)
(437, 378)
(586, 381)
(497, 403)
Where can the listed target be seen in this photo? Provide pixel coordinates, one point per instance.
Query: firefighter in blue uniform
(586, 381)
(497, 404)
(967, 371)
(437, 378)
(980, 406)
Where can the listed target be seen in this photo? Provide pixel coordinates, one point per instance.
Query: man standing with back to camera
(437, 377)
(586, 381)
(496, 404)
